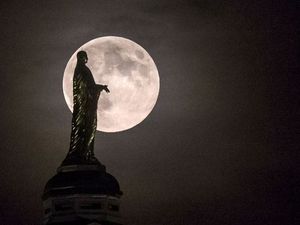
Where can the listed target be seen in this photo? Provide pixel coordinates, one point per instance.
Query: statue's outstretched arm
(103, 87)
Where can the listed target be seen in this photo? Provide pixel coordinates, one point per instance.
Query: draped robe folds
(84, 121)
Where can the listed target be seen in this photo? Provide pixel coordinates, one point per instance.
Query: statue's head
(82, 57)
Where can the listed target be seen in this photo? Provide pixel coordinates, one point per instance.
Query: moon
(131, 75)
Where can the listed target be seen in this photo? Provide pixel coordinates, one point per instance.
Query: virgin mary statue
(84, 121)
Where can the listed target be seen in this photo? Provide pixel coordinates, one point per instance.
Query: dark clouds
(215, 149)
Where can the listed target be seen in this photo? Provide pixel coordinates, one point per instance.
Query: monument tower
(82, 192)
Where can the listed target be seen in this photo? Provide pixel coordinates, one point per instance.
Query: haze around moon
(131, 75)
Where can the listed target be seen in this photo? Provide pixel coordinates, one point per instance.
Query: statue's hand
(106, 88)
(103, 87)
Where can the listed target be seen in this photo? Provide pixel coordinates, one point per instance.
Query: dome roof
(82, 182)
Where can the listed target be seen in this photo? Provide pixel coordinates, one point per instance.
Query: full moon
(131, 76)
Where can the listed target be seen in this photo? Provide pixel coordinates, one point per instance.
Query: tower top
(82, 180)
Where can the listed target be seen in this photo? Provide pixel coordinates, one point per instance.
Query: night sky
(217, 147)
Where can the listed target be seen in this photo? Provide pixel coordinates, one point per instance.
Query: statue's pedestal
(82, 194)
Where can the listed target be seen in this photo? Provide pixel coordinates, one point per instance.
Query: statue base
(82, 167)
(72, 160)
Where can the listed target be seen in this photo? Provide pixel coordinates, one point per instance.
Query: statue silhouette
(84, 121)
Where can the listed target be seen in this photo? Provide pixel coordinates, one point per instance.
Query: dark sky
(217, 147)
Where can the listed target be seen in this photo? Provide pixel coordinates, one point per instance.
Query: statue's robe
(84, 121)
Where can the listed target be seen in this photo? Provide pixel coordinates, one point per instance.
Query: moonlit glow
(131, 76)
